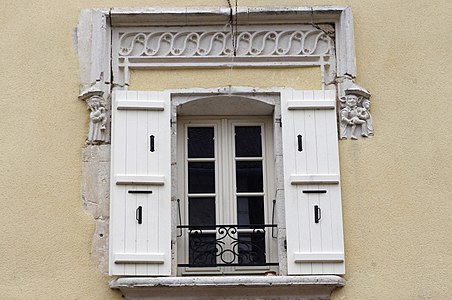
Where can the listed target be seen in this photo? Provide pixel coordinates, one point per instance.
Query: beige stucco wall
(397, 186)
(298, 78)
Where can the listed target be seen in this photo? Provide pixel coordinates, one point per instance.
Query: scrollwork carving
(213, 43)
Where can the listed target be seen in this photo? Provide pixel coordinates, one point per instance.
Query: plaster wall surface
(396, 186)
(299, 78)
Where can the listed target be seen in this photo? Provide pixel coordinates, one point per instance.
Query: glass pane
(201, 211)
(201, 177)
(200, 142)
(252, 248)
(249, 176)
(202, 250)
(250, 210)
(248, 141)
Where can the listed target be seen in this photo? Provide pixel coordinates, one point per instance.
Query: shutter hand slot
(139, 192)
(152, 146)
(317, 213)
(139, 214)
(314, 191)
(300, 143)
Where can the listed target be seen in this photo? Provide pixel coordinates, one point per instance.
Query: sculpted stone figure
(350, 116)
(364, 114)
(354, 111)
(98, 119)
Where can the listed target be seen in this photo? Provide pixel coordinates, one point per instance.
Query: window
(226, 206)
(143, 193)
(221, 169)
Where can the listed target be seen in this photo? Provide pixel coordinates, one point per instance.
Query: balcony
(226, 245)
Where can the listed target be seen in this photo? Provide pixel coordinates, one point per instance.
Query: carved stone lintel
(354, 116)
(98, 117)
(215, 41)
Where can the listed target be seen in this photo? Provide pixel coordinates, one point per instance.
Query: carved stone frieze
(354, 115)
(253, 41)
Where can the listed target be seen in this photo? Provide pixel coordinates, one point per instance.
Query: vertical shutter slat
(117, 232)
(142, 169)
(131, 200)
(323, 167)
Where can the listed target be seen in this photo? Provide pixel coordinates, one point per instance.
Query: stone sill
(228, 287)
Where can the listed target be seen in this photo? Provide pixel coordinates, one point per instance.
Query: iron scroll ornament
(227, 245)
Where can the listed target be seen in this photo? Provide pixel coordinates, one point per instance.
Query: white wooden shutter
(312, 183)
(140, 184)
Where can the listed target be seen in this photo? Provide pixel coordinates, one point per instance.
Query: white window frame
(226, 210)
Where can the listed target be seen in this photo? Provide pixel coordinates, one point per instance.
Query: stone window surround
(96, 69)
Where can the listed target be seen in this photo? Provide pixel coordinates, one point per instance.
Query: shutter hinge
(285, 244)
(279, 120)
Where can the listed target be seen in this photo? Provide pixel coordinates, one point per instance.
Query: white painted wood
(144, 105)
(140, 179)
(117, 207)
(134, 167)
(225, 181)
(319, 104)
(143, 200)
(314, 179)
(130, 199)
(312, 247)
(318, 257)
(139, 258)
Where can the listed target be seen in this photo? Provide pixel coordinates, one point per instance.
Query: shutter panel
(140, 193)
(312, 183)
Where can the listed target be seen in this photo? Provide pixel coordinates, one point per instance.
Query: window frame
(225, 160)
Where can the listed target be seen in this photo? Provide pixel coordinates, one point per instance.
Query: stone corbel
(96, 103)
(354, 114)
(93, 47)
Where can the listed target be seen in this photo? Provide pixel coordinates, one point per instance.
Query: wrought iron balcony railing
(227, 245)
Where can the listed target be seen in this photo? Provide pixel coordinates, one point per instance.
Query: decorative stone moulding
(215, 42)
(116, 41)
(218, 46)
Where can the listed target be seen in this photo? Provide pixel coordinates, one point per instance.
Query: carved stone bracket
(93, 47)
(354, 114)
(98, 116)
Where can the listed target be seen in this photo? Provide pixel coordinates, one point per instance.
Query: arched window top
(224, 105)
